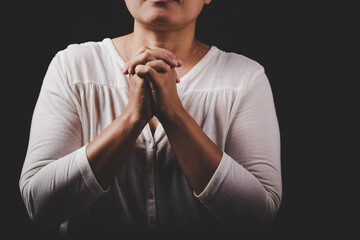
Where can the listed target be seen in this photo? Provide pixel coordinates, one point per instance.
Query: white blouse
(84, 90)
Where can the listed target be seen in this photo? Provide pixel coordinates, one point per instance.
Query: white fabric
(84, 90)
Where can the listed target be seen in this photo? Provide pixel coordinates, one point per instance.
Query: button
(151, 146)
(152, 221)
(150, 195)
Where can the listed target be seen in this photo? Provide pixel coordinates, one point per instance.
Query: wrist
(173, 117)
(134, 119)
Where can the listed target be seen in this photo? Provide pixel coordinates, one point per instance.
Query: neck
(180, 41)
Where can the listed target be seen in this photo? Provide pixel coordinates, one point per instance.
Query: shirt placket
(150, 187)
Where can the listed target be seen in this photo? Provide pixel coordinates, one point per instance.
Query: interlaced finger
(159, 65)
(144, 56)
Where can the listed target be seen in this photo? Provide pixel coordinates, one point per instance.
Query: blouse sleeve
(56, 180)
(246, 188)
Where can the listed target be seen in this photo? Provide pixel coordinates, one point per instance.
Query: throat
(198, 51)
(190, 56)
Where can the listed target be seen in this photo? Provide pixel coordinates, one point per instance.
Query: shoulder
(235, 70)
(81, 51)
(85, 62)
(238, 64)
(221, 71)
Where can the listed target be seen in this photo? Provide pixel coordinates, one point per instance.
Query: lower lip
(160, 1)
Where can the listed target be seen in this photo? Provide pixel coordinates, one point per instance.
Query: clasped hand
(152, 86)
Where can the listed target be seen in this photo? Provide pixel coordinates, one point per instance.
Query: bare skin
(161, 49)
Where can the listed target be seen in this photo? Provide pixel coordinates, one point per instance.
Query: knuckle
(164, 65)
(143, 48)
(139, 69)
(144, 69)
(146, 55)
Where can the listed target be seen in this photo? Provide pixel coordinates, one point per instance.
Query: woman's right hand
(140, 101)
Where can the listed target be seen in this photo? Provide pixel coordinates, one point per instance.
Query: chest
(100, 105)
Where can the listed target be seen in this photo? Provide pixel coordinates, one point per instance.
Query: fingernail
(175, 61)
(180, 62)
(124, 68)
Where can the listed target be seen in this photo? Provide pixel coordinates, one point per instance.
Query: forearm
(73, 176)
(197, 154)
(238, 198)
(59, 189)
(251, 202)
(109, 150)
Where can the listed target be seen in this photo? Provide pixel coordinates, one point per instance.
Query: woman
(153, 132)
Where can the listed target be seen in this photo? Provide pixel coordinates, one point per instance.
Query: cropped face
(165, 14)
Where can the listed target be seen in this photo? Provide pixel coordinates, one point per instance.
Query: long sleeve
(84, 90)
(56, 181)
(246, 187)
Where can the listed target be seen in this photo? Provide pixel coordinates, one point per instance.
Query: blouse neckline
(187, 76)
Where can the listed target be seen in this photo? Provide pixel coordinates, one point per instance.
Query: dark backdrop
(301, 45)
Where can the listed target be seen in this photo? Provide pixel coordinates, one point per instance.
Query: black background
(307, 50)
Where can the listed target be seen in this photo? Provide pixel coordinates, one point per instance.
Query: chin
(159, 14)
(160, 19)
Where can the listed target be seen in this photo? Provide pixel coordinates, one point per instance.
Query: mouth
(161, 1)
